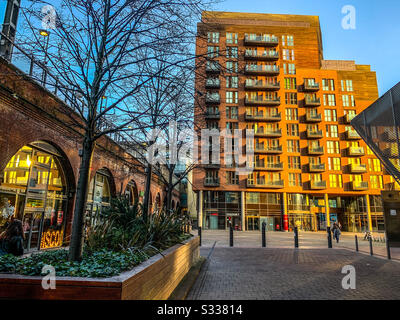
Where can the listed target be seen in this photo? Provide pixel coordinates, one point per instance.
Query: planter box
(154, 279)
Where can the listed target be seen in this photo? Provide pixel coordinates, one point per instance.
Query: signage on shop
(51, 239)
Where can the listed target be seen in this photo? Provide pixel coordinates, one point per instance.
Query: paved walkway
(249, 272)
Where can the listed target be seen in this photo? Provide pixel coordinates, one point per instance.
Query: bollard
(370, 247)
(231, 236)
(296, 237)
(328, 230)
(200, 236)
(356, 240)
(264, 240)
(388, 249)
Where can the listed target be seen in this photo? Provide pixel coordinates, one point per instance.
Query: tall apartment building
(266, 72)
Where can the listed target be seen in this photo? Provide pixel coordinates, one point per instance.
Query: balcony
(359, 185)
(268, 133)
(211, 165)
(262, 102)
(261, 85)
(314, 134)
(274, 184)
(261, 69)
(212, 115)
(316, 150)
(313, 117)
(392, 152)
(264, 55)
(357, 168)
(352, 135)
(320, 167)
(213, 99)
(213, 84)
(355, 151)
(263, 117)
(268, 150)
(348, 117)
(317, 185)
(211, 182)
(268, 166)
(261, 41)
(310, 87)
(213, 68)
(311, 102)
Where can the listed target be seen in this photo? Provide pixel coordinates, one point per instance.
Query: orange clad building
(266, 72)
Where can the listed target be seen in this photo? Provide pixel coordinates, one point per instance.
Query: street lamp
(45, 34)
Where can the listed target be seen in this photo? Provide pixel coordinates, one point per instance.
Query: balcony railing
(310, 86)
(317, 185)
(263, 117)
(358, 168)
(355, 151)
(214, 99)
(275, 184)
(268, 133)
(316, 150)
(212, 165)
(261, 69)
(251, 84)
(264, 55)
(312, 102)
(268, 166)
(313, 117)
(213, 68)
(359, 185)
(211, 182)
(271, 150)
(320, 167)
(352, 135)
(314, 134)
(261, 40)
(212, 115)
(213, 83)
(259, 101)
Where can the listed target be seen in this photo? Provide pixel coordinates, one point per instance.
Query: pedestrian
(12, 239)
(336, 231)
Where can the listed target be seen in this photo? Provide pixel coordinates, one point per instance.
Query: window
(333, 147)
(231, 112)
(232, 82)
(231, 38)
(291, 68)
(294, 162)
(290, 84)
(212, 125)
(293, 146)
(231, 97)
(328, 85)
(213, 37)
(212, 52)
(347, 85)
(330, 115)
(329, 100)
(292, 130)
(374, 165)
(231, 66)
(232, 177)
(291, 114)
(376, 182)
(231, 52)
(348, 101)
(289, 42)
(335, 181)
(294, 180)
(332, 131)
(290, 98)
(334, 164)
(288, 55)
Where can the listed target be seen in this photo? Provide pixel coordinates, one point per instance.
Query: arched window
(99, 195)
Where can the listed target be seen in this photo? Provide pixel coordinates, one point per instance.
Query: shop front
(34, 190)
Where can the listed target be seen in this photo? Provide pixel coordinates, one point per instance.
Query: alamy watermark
(349, 20)
(349, 281)
(49, 280)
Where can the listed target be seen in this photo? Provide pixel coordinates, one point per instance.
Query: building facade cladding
(310, 167)
(39, 164)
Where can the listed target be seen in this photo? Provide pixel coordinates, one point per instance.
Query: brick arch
(111, 180)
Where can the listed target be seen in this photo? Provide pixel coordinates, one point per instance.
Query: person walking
(12, 239)
(336, 231)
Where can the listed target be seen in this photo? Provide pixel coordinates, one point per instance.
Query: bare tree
(96, 51)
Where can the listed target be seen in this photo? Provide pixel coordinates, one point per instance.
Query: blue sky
(375, 41)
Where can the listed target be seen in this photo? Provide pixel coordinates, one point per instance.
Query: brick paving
(253, 273)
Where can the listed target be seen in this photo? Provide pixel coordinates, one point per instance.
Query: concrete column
(285, 221)
(327, 215)
(200, 212)
(368, 213)
(243, 210)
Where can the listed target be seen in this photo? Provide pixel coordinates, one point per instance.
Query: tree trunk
(146, 199)
(169, 190)
(76, 244)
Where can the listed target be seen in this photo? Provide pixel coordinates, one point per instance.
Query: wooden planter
(154, 279)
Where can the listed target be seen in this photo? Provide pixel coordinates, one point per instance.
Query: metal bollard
(230, 236)
(200, 236)
(296, 237)
(370, 247)
(328, 230)
(389, 256)
(356, 240)
(264, 240)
